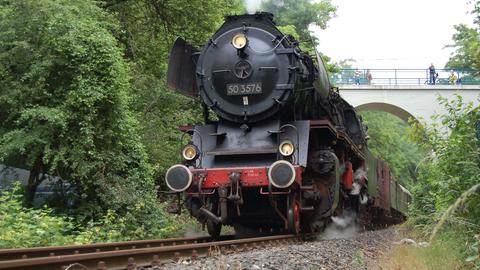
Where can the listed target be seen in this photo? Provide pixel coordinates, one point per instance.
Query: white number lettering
(242, 89)
(258, 88)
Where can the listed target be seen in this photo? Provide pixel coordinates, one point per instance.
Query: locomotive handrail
(271, 50)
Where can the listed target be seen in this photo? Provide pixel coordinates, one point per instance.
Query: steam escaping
(252, 6)
(359, 177)
(342, 227)
(194, 231)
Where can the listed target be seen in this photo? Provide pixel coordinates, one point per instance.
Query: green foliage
(27, 227)
(301, 14)
(149, 29)
(64, 103)
(389, 140)
(443, 169)
(446, 196)
(294, 17)
(443, 254)
(23, 227)
(466, 42)
(83, 98)
(474, 252)
(155, 223)
(288, 30)
(161, 115)
(66, 99)
(453, 166)
(467, 48)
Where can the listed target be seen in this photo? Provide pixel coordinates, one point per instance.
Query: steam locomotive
(286, 152)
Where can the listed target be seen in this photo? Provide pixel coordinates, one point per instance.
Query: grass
(359, 258)
(445, 252)
(450, 246)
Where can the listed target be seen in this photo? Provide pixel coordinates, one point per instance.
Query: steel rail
(129, 258)
(35, 252)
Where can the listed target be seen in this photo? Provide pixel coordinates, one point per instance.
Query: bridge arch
(405, 101)
(386, 107)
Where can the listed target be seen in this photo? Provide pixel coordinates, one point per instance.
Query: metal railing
(406, 77)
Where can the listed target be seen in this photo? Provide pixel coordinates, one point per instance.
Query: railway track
(128, 255)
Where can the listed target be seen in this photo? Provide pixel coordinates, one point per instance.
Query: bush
(113, 227)
(453, 166)
(446, 197)
(27, 227)
(24, 227)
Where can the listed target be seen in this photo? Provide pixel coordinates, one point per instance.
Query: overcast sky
(393, 33)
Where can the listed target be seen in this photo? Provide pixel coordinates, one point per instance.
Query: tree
(296, 16)
(301, 14)
(389, 140)
(149, 28)
(64, 102)
(466, 42)
(467, 48)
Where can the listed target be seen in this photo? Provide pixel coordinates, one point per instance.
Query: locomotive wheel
(293, 214)
(214, 229)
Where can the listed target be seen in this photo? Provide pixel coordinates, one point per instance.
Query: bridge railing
(405, 77)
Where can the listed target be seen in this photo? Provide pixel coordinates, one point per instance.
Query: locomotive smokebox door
(181, 68)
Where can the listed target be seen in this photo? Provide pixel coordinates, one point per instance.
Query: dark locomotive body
(287, 152)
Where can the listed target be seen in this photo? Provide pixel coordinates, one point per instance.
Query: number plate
(241, 89)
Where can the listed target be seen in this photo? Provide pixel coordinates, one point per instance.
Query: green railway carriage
(387, 194)
(371, 173)
(400, 197)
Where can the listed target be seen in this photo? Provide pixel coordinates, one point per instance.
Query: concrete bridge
(405, 101)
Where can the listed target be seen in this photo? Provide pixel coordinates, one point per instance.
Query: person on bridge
(357, 76)
(431, 70)
(369, 76)
(453, 78)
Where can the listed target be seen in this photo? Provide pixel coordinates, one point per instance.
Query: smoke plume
(252, 6)
(342, 227)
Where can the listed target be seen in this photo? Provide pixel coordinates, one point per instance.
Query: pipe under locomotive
(286, 153)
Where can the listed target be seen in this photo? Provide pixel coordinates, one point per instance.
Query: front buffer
(241, 196)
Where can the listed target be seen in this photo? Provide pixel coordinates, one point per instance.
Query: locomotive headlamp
(281, 174)
(190, 152)
(178, 178)
(239, 41)
(286, 148)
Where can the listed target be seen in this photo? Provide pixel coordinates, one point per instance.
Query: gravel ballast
(342, 250)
